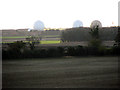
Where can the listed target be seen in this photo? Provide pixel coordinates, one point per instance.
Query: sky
(17, 14)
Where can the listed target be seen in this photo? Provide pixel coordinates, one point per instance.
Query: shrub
(116, 50)
(108, 51)
(80, 51)
(43, 53)
(71, 51)
(92, 50)
(60, 51)
(32, 40)
(117, 38)
(101, 50)
(27, 53)
(52, 52)
(94, 43)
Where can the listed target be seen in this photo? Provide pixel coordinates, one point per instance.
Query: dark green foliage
(19, 49)
(35, 53)
(117, 38)
(71, 51)
(79, 51)
(32, 40)
(32, 45)
(94, 32)
(95, 43)
(101, 50)
(108, 34)
(108, 51)
(82, 34)
(15, 50)
(52, 52)
(17, 45)
(27, 54)
(92, 51)
(5, 54)
(75, 34)
(61, 51)
(116, 50)
(43, 53)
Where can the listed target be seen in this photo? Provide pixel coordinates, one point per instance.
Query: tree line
(83, 34)
(20, 50)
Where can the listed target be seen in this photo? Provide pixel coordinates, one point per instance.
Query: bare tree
(32, 40)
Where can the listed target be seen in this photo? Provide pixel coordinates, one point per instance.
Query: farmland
(50, 42)
(42, 42)
(67, 72)
(10, 36)
(49, 36)
(46, 39)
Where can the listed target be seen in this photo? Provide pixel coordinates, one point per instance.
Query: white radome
(29, 29)
(96, 23)
(77, 23)
(38, 25)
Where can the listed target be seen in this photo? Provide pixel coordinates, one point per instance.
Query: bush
(80, 51)
(52, 52)
(101, 50)
(92, 50)
(116, 50)
(94, 43)
(71, 51)
(108, 51)
(60, 51)
(27, 53)
(43, 53)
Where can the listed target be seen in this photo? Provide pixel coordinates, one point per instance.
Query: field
(26, 36)
(13, 37)
(46, 39)
(67, 72)
(42, 42)
(49, 42)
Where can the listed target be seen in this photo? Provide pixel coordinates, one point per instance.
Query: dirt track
(71, 72)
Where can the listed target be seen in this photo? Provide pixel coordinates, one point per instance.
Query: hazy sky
(57, 13)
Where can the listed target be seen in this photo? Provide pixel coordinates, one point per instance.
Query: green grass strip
(50, 42)
(41, 42)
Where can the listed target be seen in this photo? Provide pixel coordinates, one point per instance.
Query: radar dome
(96, 23)
(77, 23)
(38, 25)
(29, 29)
